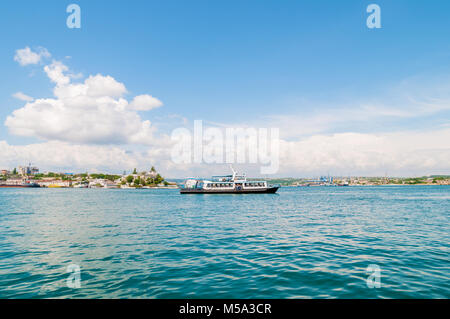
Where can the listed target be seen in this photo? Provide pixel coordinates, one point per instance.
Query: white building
(28, 170)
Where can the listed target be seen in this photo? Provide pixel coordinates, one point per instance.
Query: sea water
(303, 242)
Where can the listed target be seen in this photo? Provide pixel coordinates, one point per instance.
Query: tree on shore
(134, 171)
(158, 179)
(14, 172)
(138, 182)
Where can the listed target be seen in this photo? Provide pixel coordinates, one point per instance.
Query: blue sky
(246, 62)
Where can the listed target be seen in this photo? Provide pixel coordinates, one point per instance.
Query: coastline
(177, 188)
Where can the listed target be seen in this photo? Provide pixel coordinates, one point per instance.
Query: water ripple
(302, 243)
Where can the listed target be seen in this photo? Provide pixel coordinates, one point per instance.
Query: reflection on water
(301, 243)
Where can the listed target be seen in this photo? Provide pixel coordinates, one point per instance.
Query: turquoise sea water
(314, 242)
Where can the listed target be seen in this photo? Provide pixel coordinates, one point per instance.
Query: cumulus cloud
(99, 85)
(55, 72)
(402, 153)
(406, 153)
(145, 103)
(26, 56)
(397, 154)
(22, 96)
(71, 157)
(93, 111)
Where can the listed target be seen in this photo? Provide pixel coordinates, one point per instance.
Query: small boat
(81, 185)
(344, 184)
(227, 184)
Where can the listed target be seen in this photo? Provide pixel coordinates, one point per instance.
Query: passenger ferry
(226, 184)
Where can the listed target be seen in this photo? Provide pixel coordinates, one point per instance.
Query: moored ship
(18, 184)
(227, 184)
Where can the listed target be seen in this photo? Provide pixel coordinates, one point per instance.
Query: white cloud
(405, 153)
(397, 154)
(93, 111)
(55, 72)
(145, 103)
(22, 96)
(402, 153)
(99, 85)
(26, 56)
(67, 156)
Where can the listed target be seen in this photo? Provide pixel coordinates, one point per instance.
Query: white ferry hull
(268, 190)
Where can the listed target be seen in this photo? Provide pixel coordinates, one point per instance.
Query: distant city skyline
(347, 100)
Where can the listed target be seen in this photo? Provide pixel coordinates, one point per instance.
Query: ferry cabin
(231, 185)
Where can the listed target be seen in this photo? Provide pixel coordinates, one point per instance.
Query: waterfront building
(28, 170)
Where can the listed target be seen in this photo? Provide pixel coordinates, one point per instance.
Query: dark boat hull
(19, 186)
(269, 190)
